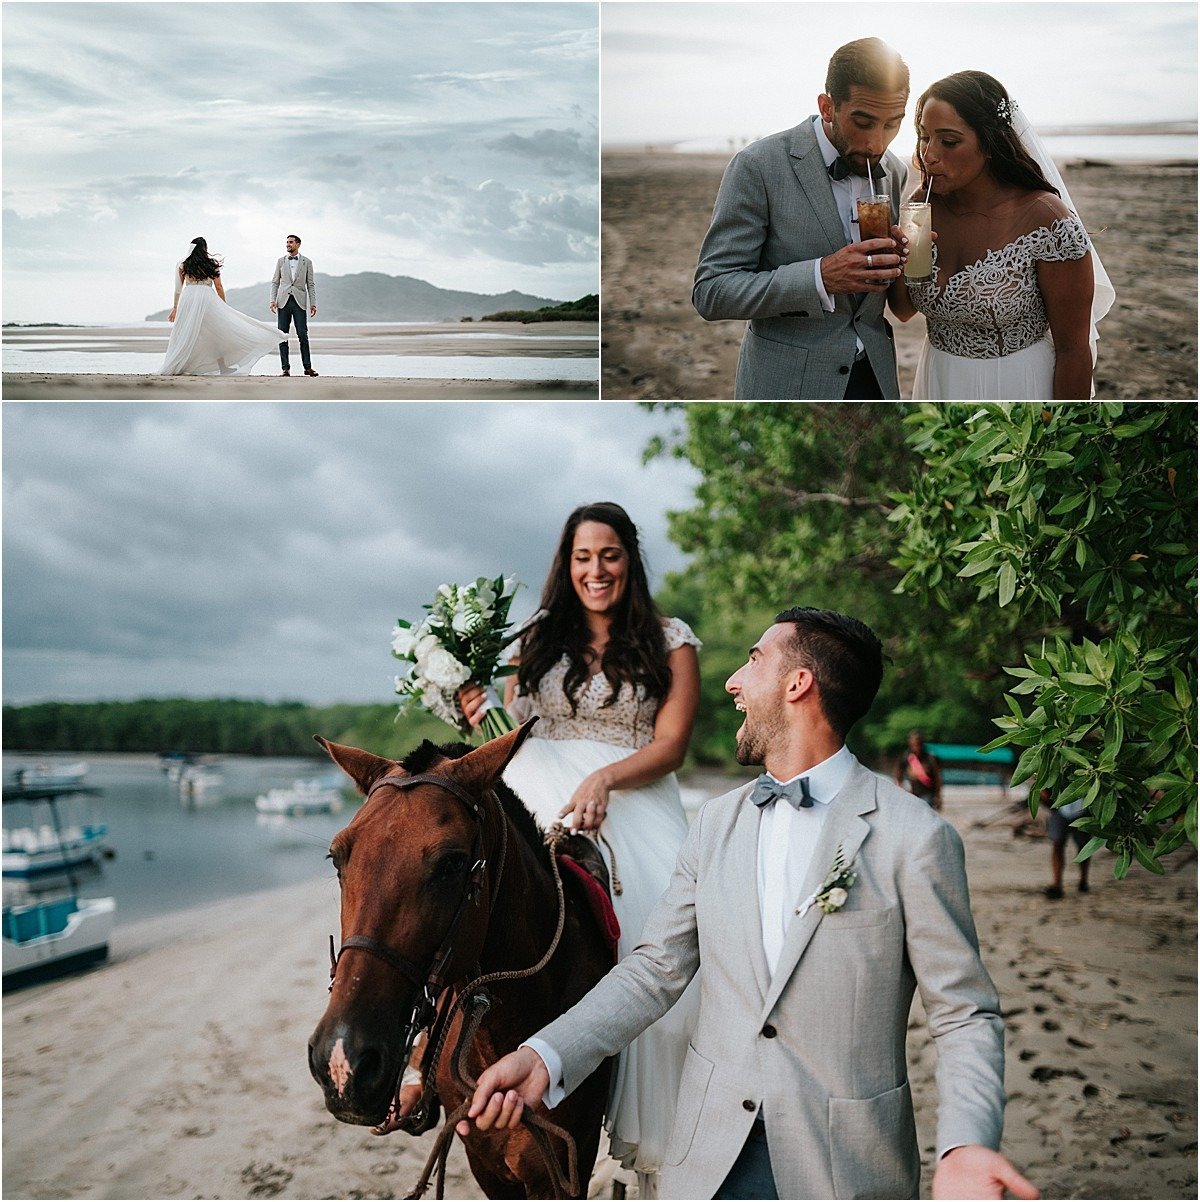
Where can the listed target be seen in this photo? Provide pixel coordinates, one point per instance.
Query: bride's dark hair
(637, 648)
(984, 104)
(200, 265)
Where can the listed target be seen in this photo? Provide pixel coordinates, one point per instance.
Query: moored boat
(46, 939)
(302, 797)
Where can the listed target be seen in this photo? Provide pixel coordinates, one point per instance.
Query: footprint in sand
(265, 1180)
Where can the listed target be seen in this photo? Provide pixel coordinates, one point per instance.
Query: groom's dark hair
(296, 236)
(867, 63)
(845, 657)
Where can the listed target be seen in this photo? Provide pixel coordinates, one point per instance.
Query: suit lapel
(845, 827)
(744, 886)
(813, 176)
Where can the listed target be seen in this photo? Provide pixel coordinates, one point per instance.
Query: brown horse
(444, 875)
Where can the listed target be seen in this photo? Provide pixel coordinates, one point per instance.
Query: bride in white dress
(1017, 288)
(208, 338)
(616, 687)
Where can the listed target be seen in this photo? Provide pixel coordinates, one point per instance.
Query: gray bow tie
(292, 258)
(795, 792)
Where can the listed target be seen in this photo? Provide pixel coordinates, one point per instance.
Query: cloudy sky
(454, 142)
(265, 551)
(674, 72)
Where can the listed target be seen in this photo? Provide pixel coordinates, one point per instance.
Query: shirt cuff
(826, 302)
(555, 1092)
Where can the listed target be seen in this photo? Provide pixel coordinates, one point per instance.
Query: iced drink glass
(916, 222)
(874, 217)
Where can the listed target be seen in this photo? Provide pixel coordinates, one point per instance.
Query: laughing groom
(296, 282)
(817, 899)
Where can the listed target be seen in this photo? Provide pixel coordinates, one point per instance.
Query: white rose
(444, 671)
(836, 898)
(404, 641)
(425, 646)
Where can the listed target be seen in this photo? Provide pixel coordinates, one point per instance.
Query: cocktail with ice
(916, 222)
(874, 217)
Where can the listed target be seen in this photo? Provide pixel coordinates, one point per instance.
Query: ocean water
(173, 855)
(78, 357)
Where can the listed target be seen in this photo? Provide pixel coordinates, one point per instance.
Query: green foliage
(586, 308)
(792, 509)
(1073, 528)
(215, 726)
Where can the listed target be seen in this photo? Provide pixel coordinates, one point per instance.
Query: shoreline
(178, 1069)
(325, 387)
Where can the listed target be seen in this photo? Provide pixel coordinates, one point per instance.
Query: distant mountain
(373, 296)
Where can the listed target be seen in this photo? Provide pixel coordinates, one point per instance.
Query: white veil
(1103, 293)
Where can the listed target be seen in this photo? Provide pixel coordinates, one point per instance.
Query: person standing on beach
(918, 771)
(294, 275)
(818, 899)
(782, 252)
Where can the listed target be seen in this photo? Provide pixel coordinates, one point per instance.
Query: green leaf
(1008, 584)
(1146, 859)
(1088, 850)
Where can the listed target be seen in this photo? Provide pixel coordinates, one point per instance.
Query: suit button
(845, 371)
(749, 1105)
(769, 1032)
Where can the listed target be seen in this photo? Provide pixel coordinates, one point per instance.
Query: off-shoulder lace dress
(988, 332)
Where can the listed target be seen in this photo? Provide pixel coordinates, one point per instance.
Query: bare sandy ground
(656, 209)
(178, 1070)
(560, 340)
(39, 386)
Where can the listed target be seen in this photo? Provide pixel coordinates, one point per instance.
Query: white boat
(303, 797)
(30, 850)
(50, 775)
(49, 938)
(196, 781)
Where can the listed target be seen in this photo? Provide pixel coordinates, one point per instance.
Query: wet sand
(565, 340)
(656, 209)
(178, 1070)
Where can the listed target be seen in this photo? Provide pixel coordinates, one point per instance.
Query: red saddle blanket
(598, 900)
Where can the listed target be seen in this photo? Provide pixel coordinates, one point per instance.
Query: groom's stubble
(757, 735)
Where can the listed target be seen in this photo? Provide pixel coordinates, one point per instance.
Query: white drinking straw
(929, 187)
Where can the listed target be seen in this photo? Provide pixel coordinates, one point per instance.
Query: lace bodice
(994, 306)
(629, 722)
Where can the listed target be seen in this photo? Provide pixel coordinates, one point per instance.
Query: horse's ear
(483, 766)
(363, 768)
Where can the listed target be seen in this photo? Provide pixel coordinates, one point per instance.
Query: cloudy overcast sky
(454, 142)
(265, 551)
(675, 72)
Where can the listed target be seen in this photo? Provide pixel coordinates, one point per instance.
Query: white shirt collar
(825, 780)
(829, 152)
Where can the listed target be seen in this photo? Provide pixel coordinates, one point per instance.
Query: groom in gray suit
(812, 903)
(294, 298)
(783, 253)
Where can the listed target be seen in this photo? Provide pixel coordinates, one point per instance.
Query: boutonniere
(833, 891)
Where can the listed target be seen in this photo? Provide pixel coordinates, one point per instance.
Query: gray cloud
(266, 550)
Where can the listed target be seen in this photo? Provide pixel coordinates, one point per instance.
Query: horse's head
(416, 868)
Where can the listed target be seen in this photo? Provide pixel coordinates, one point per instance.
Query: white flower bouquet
(461, 639)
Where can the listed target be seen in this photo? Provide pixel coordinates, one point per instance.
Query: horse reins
(431, 984)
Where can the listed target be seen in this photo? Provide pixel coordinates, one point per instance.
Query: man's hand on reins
(504, 1090)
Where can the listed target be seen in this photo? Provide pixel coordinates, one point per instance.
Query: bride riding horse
(445, 877)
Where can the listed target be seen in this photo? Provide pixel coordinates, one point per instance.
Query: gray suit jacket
(304, 289)
(820, 1047)
(775, 216)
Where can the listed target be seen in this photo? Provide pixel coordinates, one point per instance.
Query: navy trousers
(289, 311)
(751, 1175)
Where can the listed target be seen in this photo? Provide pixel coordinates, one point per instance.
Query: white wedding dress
(208, 338)
(642, 833)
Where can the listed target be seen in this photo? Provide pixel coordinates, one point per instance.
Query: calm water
(172, 855)
(79, 358)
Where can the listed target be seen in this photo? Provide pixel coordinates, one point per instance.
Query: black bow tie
(292, 258)
(839, 169)
(795, 792)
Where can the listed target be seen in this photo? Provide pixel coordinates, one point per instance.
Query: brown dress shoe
(287, 371)
(308, 371)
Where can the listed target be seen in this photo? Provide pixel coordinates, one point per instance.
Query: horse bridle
(433, 981)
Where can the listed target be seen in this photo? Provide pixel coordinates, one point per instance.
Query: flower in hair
(1006, 110)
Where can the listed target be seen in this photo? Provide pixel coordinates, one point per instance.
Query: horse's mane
(427, 755)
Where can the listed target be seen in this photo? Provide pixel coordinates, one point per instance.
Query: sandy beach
(483, 340)
(656, 208)
(178, 1070)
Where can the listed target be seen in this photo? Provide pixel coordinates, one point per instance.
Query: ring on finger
(869, 261)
